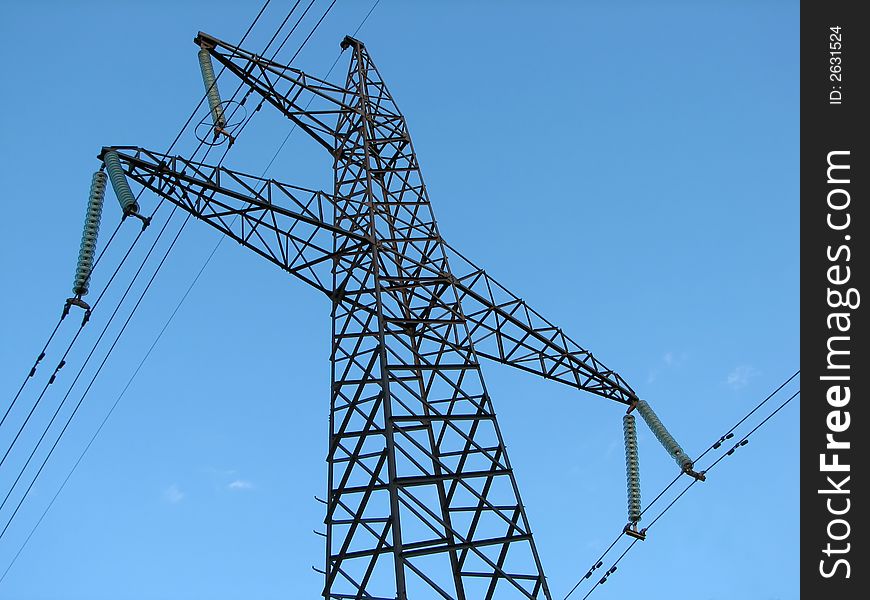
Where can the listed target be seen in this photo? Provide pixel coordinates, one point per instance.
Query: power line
(686, 489)
(62, 362)
(32, 372)
(129, 287)
(108, 414)
(715, 445)
(274, 55)
(298, 21)
(190, 287)
(745, 438)
(106, 358)
(42, 353)
(366, 18)
(81, 369)
(328, 73)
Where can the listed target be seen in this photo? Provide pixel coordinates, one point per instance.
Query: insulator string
(599, 561)
(184, 127)
(128, 319)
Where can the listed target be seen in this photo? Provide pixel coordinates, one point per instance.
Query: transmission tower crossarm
(422, 499)
(504, 328)
(289, 90)
(286, 224)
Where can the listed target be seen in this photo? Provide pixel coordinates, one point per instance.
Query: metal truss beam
(287, 225)
(290, 226)
(422, 499)
(289, 90)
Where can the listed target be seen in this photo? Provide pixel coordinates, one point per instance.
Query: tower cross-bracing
(422, 500)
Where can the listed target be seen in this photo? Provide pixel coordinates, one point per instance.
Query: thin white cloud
(173, 494)
(675, 360)
(740, 376)
(239, 485)
(669, 360)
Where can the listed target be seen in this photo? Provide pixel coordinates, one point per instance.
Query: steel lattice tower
(422, 500)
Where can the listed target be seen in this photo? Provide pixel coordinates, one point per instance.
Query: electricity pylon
(422, 500)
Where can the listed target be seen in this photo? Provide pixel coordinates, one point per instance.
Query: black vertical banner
(835, 371)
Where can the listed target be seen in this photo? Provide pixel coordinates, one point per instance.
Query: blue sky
(629, 170)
